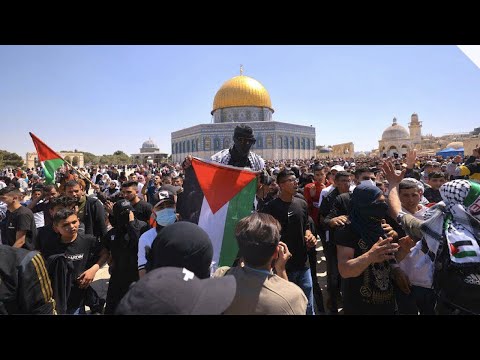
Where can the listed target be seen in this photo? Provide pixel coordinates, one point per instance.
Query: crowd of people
(384, 225)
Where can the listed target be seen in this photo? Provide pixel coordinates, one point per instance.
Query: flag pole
(79, 173)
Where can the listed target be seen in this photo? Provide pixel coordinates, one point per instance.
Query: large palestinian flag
(49, 159)
(228, 196)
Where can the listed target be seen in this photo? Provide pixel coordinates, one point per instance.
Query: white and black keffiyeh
(461, 229)
(224, 156)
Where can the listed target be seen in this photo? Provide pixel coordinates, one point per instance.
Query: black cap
(243, 131)
(165, 196)
(170, 291)
(121, 207)
(182, 244)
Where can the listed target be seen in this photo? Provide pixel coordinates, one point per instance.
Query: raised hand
(389, 171)
(411, 158)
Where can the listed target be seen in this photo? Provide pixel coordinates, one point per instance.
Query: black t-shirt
(20, 219)
(46, 236)
(143, 210)
(82, 252)
(372, 291)
(79, 251)
(294, 220)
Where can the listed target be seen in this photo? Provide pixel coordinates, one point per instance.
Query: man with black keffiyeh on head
(363, 253)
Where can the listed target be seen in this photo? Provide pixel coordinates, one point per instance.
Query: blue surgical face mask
(166, 216)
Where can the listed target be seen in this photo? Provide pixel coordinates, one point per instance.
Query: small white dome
(149, 144)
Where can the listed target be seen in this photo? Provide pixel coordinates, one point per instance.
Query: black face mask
(242, 148)
(377, 210)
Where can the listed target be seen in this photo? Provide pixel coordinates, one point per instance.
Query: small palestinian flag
(49, 159)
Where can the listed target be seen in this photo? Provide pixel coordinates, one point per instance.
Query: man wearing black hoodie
(122, 242)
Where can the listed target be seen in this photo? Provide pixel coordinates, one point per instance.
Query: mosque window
(303, 143)
(259, 143)
(226, 143)
(279, 143)
(269, 142)
(207, 143)
(216, 144)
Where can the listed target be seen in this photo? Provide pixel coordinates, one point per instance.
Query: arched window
(226, 143)
(207, 143)
(269, 142)
(216, 144)
(259, 142)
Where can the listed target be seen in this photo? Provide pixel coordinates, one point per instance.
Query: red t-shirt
(312, 202)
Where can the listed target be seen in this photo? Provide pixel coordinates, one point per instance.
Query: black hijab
(367, 213)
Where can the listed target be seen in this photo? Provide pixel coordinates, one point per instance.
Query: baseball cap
(177, 291)
(165, 196)
(182, 244)
(121, 207)
(338, 168)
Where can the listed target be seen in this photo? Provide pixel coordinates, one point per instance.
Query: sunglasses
(243, 140)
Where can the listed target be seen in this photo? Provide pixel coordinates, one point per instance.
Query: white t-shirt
(417, 265)
(146, 239)
(324, 193)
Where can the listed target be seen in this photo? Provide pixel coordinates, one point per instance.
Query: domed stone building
(243, 99)
(395, 140)
(149, 152)
(398, 140)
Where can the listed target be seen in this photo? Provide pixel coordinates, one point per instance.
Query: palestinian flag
(49, 159)
(228, 195)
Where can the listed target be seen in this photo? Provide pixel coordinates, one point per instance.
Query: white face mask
(368, 182)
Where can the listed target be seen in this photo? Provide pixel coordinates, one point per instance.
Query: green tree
(89, 158)
(8, 159)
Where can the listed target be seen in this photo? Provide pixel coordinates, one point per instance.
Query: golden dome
(455, 145)
(241, 91)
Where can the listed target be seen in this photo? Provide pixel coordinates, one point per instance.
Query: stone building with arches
(243, 99)
(398, 140)
(149, 153)
(74, 158)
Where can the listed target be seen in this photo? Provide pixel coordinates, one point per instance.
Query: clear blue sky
(106, 98)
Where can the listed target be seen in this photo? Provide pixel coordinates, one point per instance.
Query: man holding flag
(222, 191)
